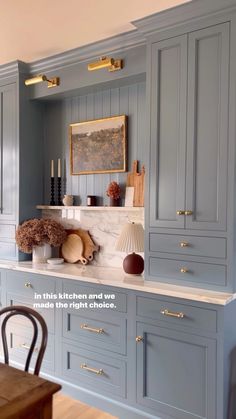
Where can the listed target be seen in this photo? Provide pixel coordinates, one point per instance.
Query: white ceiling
(30, 30)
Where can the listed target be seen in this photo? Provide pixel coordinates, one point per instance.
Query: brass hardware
(53, 82)
(105, 62)
(188, 212)
(25, 346)
(180, 212)
(94, 370)
(28, 285)
(168, 313)
(183, 270)
(184, 244)
(91, 329)
(139, 339)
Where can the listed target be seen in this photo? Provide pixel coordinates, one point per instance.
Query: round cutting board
(72, 249)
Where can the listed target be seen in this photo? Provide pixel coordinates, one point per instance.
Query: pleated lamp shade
(131, 240)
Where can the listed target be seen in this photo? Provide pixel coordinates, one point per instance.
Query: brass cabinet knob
(28, 285)
(183, 270)
(188, 212)
(184, 244)
(180, 212)
(139, 339)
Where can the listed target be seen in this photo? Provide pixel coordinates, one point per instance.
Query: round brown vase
(114, 202)
(133, 264)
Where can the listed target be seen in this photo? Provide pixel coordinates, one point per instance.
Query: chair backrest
(32, 315)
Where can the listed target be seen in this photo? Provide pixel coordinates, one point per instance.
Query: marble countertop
(116, 277)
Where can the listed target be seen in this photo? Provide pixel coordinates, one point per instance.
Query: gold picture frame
(99, 146)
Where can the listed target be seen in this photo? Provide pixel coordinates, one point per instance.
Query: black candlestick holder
(59, 201)
(52, 201)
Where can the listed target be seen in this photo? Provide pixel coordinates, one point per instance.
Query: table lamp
(131, 240)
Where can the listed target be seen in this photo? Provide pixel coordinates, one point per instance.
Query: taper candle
(59, 168)
(52, 168)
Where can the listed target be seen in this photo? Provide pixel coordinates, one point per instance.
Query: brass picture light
(53, 82)
(105, 62)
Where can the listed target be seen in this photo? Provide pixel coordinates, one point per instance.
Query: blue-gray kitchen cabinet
(186, 222)
(176, 372)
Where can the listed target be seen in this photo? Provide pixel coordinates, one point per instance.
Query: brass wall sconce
(53, 82)
(105, 62)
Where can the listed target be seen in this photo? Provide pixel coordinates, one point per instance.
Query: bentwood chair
(36, 319)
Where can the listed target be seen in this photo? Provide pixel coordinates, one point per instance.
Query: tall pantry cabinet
(20, 156)
(187, 230)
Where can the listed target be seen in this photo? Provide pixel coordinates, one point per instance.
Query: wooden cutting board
(136, 180)
(89, 246)
(72, 249)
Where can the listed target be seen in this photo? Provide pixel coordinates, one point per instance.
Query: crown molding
(195, 9)
(113, 45)
(13, 69)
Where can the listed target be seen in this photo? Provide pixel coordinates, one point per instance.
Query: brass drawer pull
(166, 312)
(184, 244)
(180, 212)
(139, 339)
(25, 346)
(91, 329)
(184, 270)
(28, 285)
(94, 370)
(188, 212)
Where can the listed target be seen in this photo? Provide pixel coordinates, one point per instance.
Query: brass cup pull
(139, 339)
(188, 212)
(91, 329)
(93, 370)
(180, 212)
(28, 285)
(25, 346)
(184, 270)
(184, 244)
(169, 313)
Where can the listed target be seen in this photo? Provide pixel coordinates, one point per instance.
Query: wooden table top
(19, 390)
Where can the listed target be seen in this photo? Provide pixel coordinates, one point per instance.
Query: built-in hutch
(166, 349)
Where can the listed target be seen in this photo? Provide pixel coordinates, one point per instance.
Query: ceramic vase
(114, 202)
(41, 253)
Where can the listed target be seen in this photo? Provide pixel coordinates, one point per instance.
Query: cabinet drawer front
(29, 284)
(93, 330)
(96, 304)
(194, 317)
(19, 338)
(188, 245)
(189, 272)
(19, 300)
(101, 373)
(7, 231)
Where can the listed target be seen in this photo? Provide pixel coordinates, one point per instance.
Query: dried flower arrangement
(36, 232)
(114, 190)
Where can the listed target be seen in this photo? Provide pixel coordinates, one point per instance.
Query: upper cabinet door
(168, 132)
(207, 128)
(8, 157)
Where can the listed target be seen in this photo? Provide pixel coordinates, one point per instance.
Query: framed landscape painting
(99, 146)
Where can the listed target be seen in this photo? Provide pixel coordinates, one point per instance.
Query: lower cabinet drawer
(177, 314)
(19, 339)
(93, 329)
(19, 300)
(29, 284)
(188, 245)
(192, 272)
(101, 373)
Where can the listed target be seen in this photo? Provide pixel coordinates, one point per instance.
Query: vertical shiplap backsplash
(126, 100)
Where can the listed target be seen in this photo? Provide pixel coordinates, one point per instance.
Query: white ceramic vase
(41, 253)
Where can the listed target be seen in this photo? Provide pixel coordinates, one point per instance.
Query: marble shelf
(88, 208)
